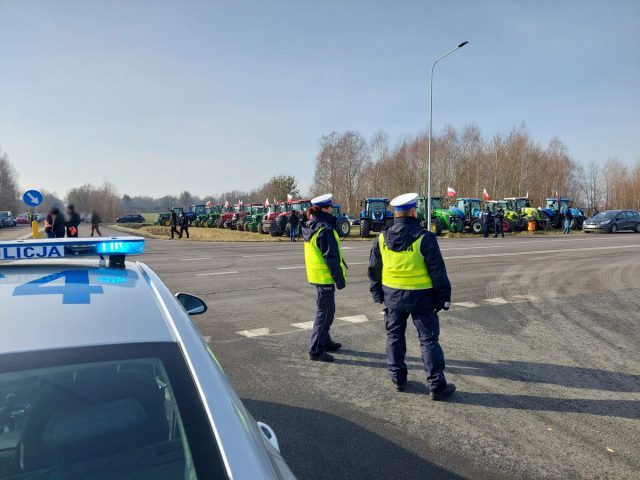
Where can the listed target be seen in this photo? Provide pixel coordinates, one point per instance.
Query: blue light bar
(71, 247)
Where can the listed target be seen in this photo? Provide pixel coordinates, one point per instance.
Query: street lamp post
(431, 129)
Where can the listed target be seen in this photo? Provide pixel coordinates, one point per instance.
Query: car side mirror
(192, 305)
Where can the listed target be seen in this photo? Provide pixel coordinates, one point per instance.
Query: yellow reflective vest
(318, 272)
(405, 270)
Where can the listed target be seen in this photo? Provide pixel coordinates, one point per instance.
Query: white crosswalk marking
(355, 319)
(526, 297)
(303, 325)
(465, 304)
(256, 332)
(497, 300)
(208, 274)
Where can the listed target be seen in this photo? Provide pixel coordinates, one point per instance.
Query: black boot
(400, 386)
(332, 346)
(320, 357)
(443, 393)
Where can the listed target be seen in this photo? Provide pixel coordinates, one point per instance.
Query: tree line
(506, 165)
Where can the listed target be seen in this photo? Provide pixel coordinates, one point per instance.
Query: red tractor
(278, 226)
(230, 219)
(269, 218)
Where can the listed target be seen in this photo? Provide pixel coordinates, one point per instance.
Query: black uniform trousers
(326, 303)
(497, 228)
(428, 326)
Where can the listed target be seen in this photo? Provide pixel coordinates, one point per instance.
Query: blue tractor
(554, 210)
(374, 215)
(468, 210)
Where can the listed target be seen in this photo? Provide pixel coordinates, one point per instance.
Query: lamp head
(462, 44)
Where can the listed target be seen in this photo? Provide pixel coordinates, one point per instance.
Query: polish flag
(208, 204)
(266, 203)
(485, 195)
(451, 192)
(289, 197)
(226, 204)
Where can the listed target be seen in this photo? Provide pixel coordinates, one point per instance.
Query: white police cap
(406, 201)
(322, 200)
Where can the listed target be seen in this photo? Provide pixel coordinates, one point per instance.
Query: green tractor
(511, 218)
(441, 218)
(525, 212)
(164, 218)
(214, 214)
(250, 222)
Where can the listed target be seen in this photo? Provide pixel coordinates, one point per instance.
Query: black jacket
(173, 219)
(326, 242)
(499, 215)
(72, 222)
(184, 221)
(58, 226)
(567, 214)
(398, 237)
(486, 217)
(294, 219)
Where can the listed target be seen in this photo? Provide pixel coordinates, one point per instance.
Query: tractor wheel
(436, 227)
(456, 225)
(475, 226)
(507, 226)
(167, 223)
(365, 228)
(219, 223)
(276, 230)
(240, 226)
(344, 227)
(261, 229)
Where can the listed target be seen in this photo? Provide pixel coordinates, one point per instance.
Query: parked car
(22, 218)
(6, 219)
(130, 218)
(612, 221)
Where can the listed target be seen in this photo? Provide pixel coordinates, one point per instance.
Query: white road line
(290, 268)
(465, 304)
(497, 300)
(526, 297)
(256, 332)
(303, 325)
(358, 263)
(194, 259)
(354, 319)
(540, 252)
(207, 274)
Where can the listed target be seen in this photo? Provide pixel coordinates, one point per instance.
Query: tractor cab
(198, 210)
(468, 211)
(517, 204)
(495, 204)
(557, 204)
(374, 216)
(342, 222)
(555, 209)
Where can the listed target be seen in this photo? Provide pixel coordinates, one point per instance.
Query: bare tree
(8, 184)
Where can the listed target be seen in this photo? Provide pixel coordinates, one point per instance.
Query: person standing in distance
(497, 222)
(95, 223)
(486, 218)
(408, 275)
(293, 226)
(184, 225)
(173, 221)
(326, 270)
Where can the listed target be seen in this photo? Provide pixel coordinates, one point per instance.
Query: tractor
(279, 225)
(468, 210)
(374, 216)
(201, 215)
(272, 214)
(525, 212)
(343, 226)
(250, 222)
(511, 218)
(163, 218)
(554, 211)
(229, 219)
(214, 214)
(441, 218)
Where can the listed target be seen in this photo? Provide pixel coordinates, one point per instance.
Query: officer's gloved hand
(442, 306)
(340, 284)
(378, 296)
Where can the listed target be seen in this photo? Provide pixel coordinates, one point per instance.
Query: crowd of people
(60, 225)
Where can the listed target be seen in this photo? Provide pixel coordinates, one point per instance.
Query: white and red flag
(485, 195)
(208, 204)
(266, 203)
(451, 192)
(226, 204)
(289, 197)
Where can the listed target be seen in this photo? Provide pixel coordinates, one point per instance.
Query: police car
(104, 376)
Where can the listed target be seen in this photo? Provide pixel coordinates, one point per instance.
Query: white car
(104, 376)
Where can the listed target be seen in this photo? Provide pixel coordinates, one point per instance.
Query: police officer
(497, 222)
(486, 218)
(326, 270)
(408, 275)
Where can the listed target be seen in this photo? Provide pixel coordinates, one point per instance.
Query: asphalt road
(542, 341)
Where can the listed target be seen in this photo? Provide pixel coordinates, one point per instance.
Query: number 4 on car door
(76, 288)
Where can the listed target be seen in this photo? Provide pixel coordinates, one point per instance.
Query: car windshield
(436, 203)
(107, 419)
(298, 207)
(606, 215)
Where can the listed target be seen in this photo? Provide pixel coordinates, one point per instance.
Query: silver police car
(104, 376)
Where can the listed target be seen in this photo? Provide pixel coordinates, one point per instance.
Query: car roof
(121, 306)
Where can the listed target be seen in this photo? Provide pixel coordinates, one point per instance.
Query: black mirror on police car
(192, 304)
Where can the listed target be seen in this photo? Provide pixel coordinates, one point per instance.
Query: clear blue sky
(159, 97)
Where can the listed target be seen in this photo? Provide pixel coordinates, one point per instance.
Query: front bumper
(594, 228)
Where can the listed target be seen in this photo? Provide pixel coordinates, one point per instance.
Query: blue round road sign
(32, 198)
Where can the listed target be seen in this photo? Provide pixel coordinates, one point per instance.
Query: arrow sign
(32, 198)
